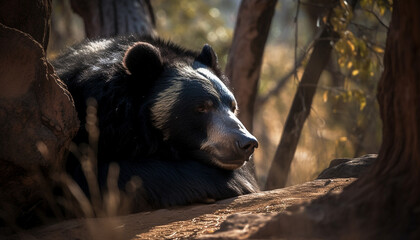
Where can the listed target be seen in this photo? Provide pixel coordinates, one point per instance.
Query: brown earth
(189, 221)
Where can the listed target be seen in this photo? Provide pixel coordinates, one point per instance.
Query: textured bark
(300, 109)
(107, 18)
(298, 113)
(391, 190)
(32, 17)
(384, 203)
(37, 115)
(245, 56)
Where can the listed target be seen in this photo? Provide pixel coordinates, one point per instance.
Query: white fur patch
(165, 101)
(113, 58)
(95, 68)
(94, 47)
(217, 83)
(161, 109)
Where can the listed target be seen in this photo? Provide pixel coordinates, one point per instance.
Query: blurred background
(344, 120)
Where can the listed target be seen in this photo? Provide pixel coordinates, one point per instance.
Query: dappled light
(257, 119)
(344, 120)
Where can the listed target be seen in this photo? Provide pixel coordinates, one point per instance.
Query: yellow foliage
(325, 96)
(362, 104)
(351, 45)
(378, 49)
(355, 72)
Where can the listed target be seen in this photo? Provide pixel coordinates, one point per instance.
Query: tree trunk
(108, 18)
(391, 190)
(37, 114)
(32, 17)
(300, 109)
(245, 56)
(384, 202)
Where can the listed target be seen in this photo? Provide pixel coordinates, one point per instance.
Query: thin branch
(377, 18)
(362, 27)
(280, 83)
(296, 37)
(298, 63)
(300, 109)
(320, 5)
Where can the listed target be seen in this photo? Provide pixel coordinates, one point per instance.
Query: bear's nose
(247, 144)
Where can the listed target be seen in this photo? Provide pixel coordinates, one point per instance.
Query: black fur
(124, 95)
(141, 59)
(208, 57)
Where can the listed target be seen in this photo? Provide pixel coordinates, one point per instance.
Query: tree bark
(29, 17)
(108, 18)
(37, 114)
(245, 56)
(300, 109)
(298, 114)
(384, 202)
(391, 190)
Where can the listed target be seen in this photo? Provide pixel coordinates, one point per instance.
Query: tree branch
(261, 100)
(377, 18)
(301, 107)
(245, 56)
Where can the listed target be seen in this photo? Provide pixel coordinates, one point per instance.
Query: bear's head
(190, 106)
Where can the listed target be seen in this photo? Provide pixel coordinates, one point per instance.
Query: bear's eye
(204, 107)
(233, 106)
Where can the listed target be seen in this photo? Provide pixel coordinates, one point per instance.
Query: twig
(298, 63)
(280, 83)
(377, 18)
(296, 37)
(320, 5)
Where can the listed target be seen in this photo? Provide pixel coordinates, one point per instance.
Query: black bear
(165, 116)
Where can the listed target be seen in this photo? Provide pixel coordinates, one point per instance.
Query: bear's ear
(208, 57)
(144, 60)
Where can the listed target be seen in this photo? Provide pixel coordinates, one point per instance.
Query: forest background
(344, 118)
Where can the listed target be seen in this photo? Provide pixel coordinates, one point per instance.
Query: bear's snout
(246, 145)
(229, 144)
